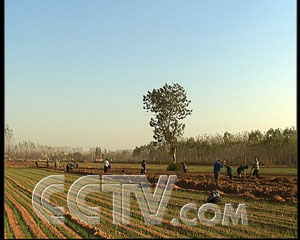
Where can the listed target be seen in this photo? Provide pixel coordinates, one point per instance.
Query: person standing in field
(255, 167)
(229, 171)
(184, 167)
(144, 166)
(68, 167)
(47, 163)
(241, 170)
(217, 169)
(36, 164)
(106, 165)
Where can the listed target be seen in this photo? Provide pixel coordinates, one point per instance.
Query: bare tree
(8, 138)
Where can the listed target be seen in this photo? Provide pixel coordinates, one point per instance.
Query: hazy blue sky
(76, 71)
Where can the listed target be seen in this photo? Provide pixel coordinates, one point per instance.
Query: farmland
(270, 170)
(267, 217)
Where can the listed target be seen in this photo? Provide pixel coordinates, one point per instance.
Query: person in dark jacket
(184, 167)
(217, 169)
(241, 170)
(36, 164)
(144, 166)
(214, 197)
(229, 171)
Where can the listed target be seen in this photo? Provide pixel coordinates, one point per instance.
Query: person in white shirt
(144, 165)
(106, 165)
(255, 167)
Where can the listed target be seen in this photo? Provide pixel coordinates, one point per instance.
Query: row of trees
(169, 106)
(28, 150)
(275, 146)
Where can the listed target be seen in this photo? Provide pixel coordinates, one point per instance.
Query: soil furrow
(13, 223)
(32, 225)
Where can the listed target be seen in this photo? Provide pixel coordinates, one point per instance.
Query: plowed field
(271, 203)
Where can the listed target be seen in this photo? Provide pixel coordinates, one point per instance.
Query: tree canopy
(169, 105)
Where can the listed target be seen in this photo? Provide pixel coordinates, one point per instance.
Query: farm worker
(72, 165)
(217, 169)
(229, 171)
(144, 165)
(36, 164)
(76, 164)
(69, 166)
(106, 165)
(184, 167)
(47, 162)
(255, 167)
(241, 170)
(55, 163)
(214, 197)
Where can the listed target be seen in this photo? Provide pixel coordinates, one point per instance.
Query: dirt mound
(275, 179)
(278, 188)
(281, 180)
(278, 198)
(248, 194)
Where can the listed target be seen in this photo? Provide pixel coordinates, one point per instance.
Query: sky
(76, 70)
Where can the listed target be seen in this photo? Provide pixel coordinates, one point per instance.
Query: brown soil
(67, 229)
(278, 188)
(34, 228)
(275, 187)
(13, 223)
(48, 225)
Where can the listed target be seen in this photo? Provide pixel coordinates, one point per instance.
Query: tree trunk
(173, 153)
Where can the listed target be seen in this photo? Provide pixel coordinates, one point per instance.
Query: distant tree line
(275, 146)
(28, 150)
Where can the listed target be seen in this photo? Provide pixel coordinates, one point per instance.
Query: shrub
(174, 166)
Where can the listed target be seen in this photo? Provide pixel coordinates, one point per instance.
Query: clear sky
(76, 70)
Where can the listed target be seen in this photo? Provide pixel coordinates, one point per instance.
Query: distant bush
(174, 166)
